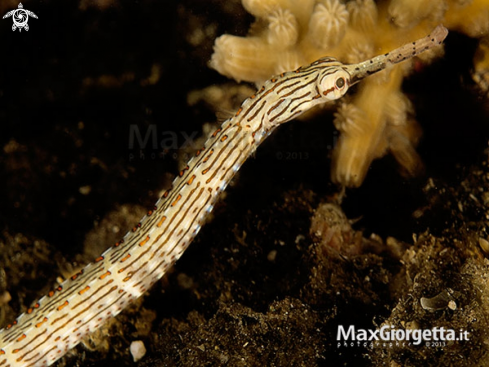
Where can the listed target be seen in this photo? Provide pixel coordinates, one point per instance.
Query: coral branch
(378, 120)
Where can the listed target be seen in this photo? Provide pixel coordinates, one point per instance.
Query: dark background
(59, 134)
(73, 134)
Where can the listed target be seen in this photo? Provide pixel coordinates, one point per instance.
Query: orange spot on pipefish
(39, 324)
(59, 308)
(104, 275)
(176, 200)
(142, 243)
(160, 223)
(189, 182)
(23, 336)
(125, 258)
(84, 290)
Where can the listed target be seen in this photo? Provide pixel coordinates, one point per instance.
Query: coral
(407, 13)
(328, 23)
(378, 119)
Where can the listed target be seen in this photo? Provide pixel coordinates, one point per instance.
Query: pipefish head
(335, 78)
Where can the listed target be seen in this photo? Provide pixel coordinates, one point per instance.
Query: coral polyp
(328, 23)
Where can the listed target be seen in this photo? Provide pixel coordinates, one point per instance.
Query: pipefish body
(82, 303)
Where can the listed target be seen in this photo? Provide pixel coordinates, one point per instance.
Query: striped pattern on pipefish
(82, 303)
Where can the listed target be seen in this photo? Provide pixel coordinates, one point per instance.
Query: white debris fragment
(137, 349)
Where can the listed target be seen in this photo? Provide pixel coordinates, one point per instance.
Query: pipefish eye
(340, 83)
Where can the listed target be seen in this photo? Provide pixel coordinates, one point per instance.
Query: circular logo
(20, 18)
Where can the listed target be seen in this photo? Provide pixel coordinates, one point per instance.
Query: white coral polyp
(363, 14)
(397, 106)
(257, 8)
(260, 8)
(358, 49)
(240, 58)
(283, 29)
(405, 13)
(350, 119)
(289, 60)
(328, 23)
